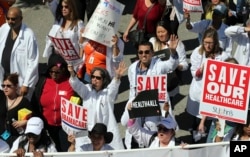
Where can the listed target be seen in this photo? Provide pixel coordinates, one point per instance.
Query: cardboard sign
(74, 117)
(192, 6)
(104, 22)
(159, 82)
(145, 104)
(66, 50)
(225, 91)
(162, 54)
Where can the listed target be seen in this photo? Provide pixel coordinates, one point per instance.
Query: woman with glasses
(164, 137)
(99, 97)
(47, 99)
(35, 140)
(11, 103)
(67, 25)
(209, 49)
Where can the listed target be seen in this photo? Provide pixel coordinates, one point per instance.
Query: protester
(209, 49)
(173, 15)
(148, 65)
(140, 10)
(242, 131)
(161, 42)
(50, 88)
(99, 98)
(12, 102)
(99, 137)
(240, 35)
(4, 6)
(36, 140)
(164, 137)
(219, 12)
(19, 52)
(99, 55)
(67, 25)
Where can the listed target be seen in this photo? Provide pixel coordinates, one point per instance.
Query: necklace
(12, 103)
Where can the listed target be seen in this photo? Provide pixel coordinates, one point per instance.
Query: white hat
(34, 125)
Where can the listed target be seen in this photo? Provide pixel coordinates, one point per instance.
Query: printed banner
(192, 6)
(225, 91)
(145, 104)
(74, 118)
(159, 82)
(66, 50)
(104, 22)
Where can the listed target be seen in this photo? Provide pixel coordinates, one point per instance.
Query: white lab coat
(24, 58)
(238, 35)
(100, 107)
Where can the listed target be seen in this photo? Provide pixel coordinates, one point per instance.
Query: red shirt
(153, 16)
(51, 99)
(4, 6)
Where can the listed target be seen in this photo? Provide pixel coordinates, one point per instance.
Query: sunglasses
(55, 72)
(11, 19)
(146, 52)
(31, 135)
(6, 85)
(96, 77)
(162, 129)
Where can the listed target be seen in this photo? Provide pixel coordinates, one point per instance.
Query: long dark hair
(104, 74)
(239, 128)
(73, 14)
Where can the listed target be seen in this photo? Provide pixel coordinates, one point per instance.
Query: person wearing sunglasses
(11, 103)
(150, 66)
(51, 87)
(35, 140)
(19, 52)
(99, 97)
(164, 136)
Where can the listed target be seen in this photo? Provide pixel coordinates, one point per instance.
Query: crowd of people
(102, 67)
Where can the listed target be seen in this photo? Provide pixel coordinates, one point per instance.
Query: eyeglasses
(55, 72)
(162, 129)
(12, 19)
(97, 77)
(208, 43)
(30, 135)
(6, 85)
(146, 52)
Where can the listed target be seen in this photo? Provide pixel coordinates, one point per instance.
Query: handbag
(139, 35)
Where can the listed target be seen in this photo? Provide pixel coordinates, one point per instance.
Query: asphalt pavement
(38, 17)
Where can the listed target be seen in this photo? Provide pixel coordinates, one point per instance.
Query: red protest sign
(192, 5)
(66, 48)
(225, 91)
(145, 82)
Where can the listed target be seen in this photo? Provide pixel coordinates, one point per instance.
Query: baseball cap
(220, 9)
(34, 125)
(168, 122)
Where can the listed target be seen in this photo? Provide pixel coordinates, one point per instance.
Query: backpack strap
(152, 138)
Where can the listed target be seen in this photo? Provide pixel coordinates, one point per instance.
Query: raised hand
(120, 70)
(173, 42)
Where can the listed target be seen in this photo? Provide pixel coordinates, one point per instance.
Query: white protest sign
(192, 5)
(74, 117)
(104, 22)
(225, 91)
(67, 50)
(146, 82)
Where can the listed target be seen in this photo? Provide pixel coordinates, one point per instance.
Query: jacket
(238, 35)
(100, 107)
(25, 55)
